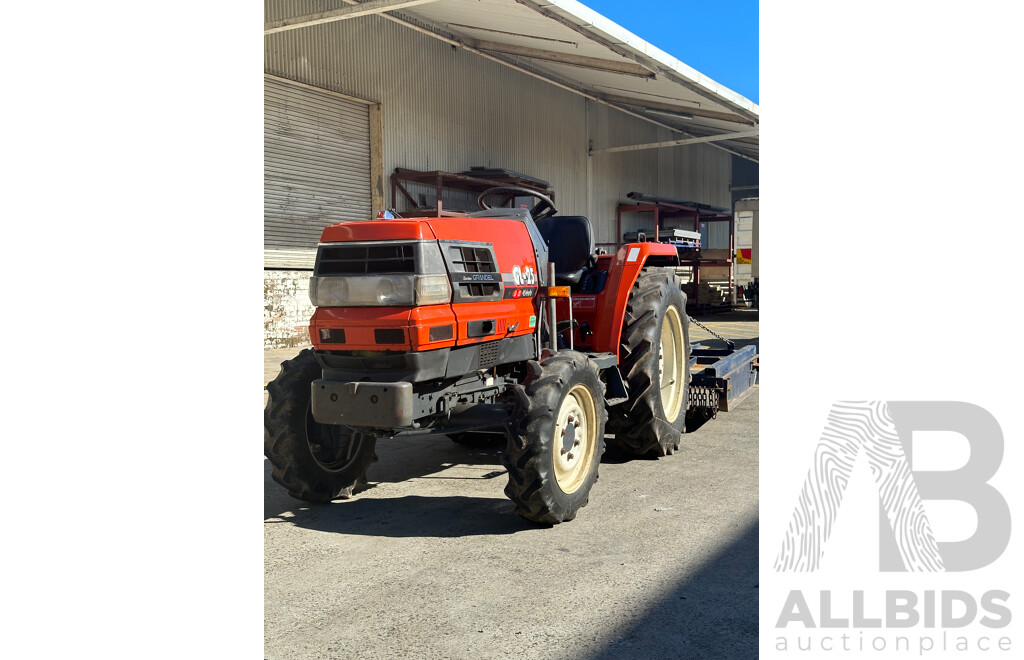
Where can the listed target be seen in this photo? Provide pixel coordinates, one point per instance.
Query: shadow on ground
(411, 516)
(732, 316)
(710, 615)
(750, 314)
(398, 462)
(408, 516)
(414, 516)
(738, 343)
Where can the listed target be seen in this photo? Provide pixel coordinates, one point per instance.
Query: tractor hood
(426, 283)
(378, 230)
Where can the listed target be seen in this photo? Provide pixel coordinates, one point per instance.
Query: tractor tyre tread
(285, 444)
(639, 424)
(529, 454)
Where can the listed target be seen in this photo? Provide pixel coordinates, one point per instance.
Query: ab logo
(882, 431)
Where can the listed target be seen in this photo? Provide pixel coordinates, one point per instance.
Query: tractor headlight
(391, 291)
(379, 290)
(325, 291)
(432, 289)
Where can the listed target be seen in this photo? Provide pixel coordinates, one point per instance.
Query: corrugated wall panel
(715, 235)
(444, 108)
(316, 158)
(698, 172)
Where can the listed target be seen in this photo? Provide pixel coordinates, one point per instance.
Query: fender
(625, 268)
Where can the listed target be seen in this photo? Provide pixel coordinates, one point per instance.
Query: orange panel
(423, 319)
(377, 230)
(359, 324)
(514, 251)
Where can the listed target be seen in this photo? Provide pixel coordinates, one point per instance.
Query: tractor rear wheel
(654, 360)
(555, 449)
(315, 462)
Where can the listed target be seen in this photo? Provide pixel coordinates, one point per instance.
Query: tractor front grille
(366, 259)
(489, 353)
(478, 290)
(468, 264)
(472, 259)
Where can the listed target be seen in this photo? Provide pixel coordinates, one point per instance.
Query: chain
(713, 333)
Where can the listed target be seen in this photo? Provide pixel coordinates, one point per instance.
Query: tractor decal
(514, 292)
(524, 275)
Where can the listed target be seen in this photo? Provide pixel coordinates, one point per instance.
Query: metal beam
(412, 26)
(704, 132)
(629, 68)
(352, 11)
(615, 48)
(322, 90)
(450, 39)
(674, 76)
(678, 143)
(668, 107)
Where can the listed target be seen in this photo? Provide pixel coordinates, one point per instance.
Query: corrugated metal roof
(576, 48)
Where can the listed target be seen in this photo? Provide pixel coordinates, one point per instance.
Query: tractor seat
(570, 240)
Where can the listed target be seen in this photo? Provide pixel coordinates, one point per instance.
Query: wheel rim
(331, 446)
(574, 439)
(671, 369)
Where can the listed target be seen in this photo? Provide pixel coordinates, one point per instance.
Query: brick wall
(286, 308)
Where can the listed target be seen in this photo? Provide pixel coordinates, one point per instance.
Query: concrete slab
(431, 562)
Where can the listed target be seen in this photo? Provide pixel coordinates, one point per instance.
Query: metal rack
(464, 181)
(663, 208)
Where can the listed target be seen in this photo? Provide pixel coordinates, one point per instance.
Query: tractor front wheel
(555, 449)
(315, 462)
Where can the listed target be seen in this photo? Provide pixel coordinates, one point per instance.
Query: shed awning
(575, 48)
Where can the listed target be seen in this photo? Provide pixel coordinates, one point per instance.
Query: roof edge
(613, 30)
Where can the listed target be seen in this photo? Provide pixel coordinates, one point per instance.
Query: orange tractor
(504, 319)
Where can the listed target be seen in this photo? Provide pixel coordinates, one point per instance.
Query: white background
(132, 319)
(132, 340)
(890, 163)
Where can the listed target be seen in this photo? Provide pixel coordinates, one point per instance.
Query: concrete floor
(430, 561)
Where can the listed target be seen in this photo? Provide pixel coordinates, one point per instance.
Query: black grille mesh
(469, 259)
(363, 259)
(488, 355)
(441, 332)
(471, 289)
(473, 260)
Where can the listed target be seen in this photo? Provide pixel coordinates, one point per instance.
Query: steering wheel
(542, 209)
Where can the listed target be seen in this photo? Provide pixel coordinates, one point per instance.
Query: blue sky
(719, 38)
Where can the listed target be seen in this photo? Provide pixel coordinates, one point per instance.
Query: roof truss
(330, 16)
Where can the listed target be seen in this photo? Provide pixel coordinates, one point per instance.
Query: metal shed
(548, 88)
